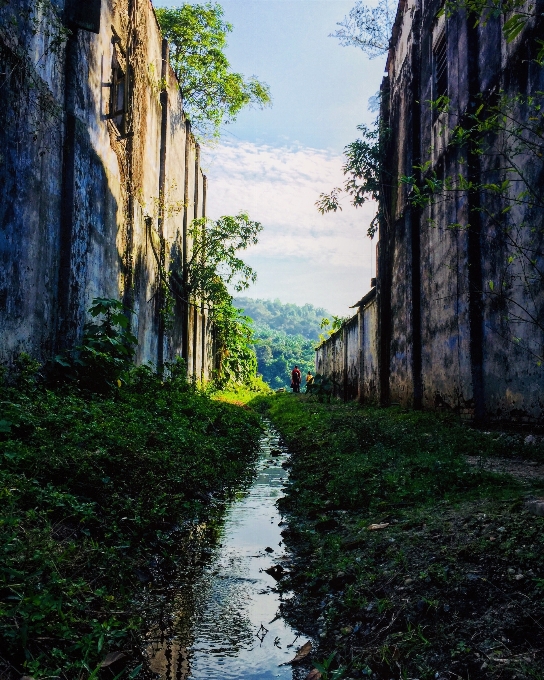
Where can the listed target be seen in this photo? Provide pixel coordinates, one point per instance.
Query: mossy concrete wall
(447, 341)
(349, 357)
(93, 206)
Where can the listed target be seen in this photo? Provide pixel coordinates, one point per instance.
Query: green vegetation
(278, 353)
(408, 561)
(285, 335)
(105, 469)
(106, 351)
(212, 94)
(237, 362)
(289, 318)
(244, 394)
(98, 496)
(363, 170)
(214, 264)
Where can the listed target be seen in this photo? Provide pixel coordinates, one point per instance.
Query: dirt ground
(523, 470)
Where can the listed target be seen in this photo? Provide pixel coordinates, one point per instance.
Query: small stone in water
(269, 550)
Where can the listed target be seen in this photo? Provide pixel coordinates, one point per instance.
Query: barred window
(440, 67)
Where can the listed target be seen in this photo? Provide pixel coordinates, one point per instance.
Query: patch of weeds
(241, 395)
(100, 494)
(406, 561)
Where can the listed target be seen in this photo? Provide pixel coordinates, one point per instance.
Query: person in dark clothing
(295, 379)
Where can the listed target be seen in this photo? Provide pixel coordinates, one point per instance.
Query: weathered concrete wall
(458, 314)
(329, 361)
(95, 205)
(30, 188)
(350, 387)
(368, 324)
(350, 356)
(444, 340)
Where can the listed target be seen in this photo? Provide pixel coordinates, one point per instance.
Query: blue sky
(274, 163)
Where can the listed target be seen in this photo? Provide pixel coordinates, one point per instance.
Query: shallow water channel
(229, 626)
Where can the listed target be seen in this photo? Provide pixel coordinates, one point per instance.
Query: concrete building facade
(100, 179)
(460, 291)
(350, 356)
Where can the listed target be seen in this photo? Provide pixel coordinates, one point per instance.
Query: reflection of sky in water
(234, 597)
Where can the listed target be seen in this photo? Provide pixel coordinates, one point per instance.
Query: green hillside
(286, 335)
(289, 318)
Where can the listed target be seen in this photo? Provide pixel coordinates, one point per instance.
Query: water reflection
(231, 629)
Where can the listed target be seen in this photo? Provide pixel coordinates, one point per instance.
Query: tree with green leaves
(363, 170)
(212, 266)
(277, 353)
(213, 94)
(369, 29)
(214, 262)
(291, 319)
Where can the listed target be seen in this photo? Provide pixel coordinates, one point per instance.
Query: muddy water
(229, 625)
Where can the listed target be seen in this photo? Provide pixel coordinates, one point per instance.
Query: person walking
(295, 379)
(309, 380)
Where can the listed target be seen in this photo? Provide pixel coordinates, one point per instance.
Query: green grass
(450, 584)
(242, 395)
(372, 458)
(98, 496)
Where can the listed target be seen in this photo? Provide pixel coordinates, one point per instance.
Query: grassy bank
(98, 496)
(406, 560)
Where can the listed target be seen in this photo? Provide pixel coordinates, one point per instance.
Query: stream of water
(230, 614)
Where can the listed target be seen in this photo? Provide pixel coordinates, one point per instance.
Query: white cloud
(279, 187)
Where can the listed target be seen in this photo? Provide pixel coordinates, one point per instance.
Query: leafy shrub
(98, 489)
(106, 350)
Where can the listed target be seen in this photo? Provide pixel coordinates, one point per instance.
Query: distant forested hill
(289, 318)
(286, 335)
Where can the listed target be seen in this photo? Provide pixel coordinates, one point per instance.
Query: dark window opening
(440, 71)
(85, 15)
(118, 96)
